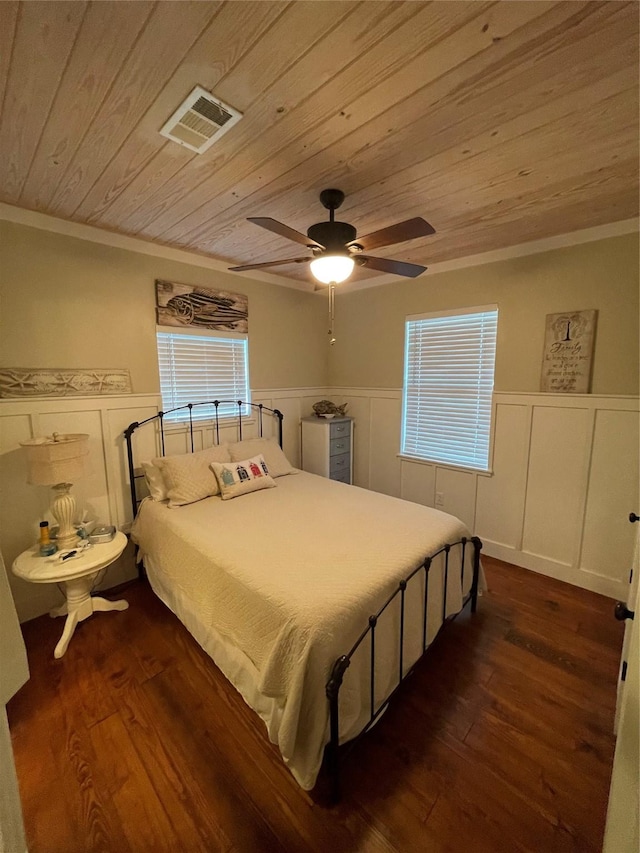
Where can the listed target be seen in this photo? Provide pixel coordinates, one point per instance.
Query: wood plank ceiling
(498, 122)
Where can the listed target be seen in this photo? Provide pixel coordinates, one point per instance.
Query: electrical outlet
(439, 498)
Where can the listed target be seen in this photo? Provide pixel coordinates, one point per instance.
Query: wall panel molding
(564, 479)
(105, 492)
(500, 507)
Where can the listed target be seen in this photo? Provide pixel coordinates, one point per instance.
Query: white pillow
(188, 477)
(243, 476)
(277, 462)
(155, 481)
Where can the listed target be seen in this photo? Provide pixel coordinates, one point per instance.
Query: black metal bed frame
(332, 688)
(333, 685)
(160, 416)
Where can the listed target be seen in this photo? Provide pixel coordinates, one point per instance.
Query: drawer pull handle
(339, 446)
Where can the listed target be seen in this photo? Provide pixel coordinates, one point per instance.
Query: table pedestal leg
(59, 611)
(105, 605)
(79, 606)
(69, 628)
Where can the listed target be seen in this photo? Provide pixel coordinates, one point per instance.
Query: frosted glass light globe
(332, 268)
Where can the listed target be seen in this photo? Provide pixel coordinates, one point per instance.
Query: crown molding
(535, 247)
(45, 222)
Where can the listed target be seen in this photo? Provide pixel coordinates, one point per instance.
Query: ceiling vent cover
(200, 121)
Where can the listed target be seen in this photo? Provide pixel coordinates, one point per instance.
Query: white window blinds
(197, 367)
(449, 366)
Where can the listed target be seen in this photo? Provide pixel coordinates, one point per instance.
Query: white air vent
(200, 121)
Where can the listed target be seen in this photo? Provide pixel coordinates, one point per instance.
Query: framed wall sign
(568, 352)
(204, 307)
(63, 382)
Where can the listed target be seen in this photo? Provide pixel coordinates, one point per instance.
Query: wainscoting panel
(147, 447)
(501, 497)
(90, 491)
(458, 490)
(384, 441)
(556, 481)
(105, 492)
(294, 404)
(563, 481)
(102, 494)
(418, 483)
(608, 537)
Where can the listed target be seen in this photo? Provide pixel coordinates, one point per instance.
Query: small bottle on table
(47, 547)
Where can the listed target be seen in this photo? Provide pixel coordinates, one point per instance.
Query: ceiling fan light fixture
(332, 268)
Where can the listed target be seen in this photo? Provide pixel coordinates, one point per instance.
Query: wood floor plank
(549, 720)
(179, 709)
(501, 740)
(186, 805)
(122, 775)
(95, 823)
(563, 796)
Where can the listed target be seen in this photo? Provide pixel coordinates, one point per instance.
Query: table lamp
(56, 461)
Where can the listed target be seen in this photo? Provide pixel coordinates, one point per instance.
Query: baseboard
(576, 577)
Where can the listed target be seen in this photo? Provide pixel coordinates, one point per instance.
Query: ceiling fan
(337, 249)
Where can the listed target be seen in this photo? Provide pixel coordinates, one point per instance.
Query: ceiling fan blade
(270, 264)
(284, 231)
(388, 265)
(398, 233)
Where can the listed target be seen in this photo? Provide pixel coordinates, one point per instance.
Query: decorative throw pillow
(277, 462)
(155, 481)
(188, 477)
(246, 475)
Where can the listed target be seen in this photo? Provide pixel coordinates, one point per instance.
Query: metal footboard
(341, 665)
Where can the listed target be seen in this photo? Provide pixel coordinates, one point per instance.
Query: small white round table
(78, 575)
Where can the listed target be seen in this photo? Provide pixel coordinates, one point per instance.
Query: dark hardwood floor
(500, 741)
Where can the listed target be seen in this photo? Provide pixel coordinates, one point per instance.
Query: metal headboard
(160, 417)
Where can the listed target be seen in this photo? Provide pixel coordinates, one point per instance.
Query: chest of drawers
(327, 447)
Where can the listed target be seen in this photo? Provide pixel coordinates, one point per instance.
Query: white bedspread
(287, 577)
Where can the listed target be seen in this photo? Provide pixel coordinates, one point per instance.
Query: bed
(313, 597)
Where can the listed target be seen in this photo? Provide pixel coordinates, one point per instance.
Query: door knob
(622, 612)
(633, 517)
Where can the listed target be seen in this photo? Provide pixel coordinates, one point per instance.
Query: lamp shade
(60, 458)
(332, 269)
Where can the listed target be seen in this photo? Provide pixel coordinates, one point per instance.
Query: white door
(628, 625)
(622, 833)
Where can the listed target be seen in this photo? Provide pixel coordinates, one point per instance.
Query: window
(448, 381)
(196, 366)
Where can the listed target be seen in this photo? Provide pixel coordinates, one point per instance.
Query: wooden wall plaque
(568, 352)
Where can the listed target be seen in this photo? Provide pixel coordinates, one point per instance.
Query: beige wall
(66, 302)
(601, 275)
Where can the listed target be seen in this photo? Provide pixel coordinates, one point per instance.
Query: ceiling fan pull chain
(332, 305)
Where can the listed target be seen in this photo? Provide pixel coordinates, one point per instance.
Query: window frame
(440, 462)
